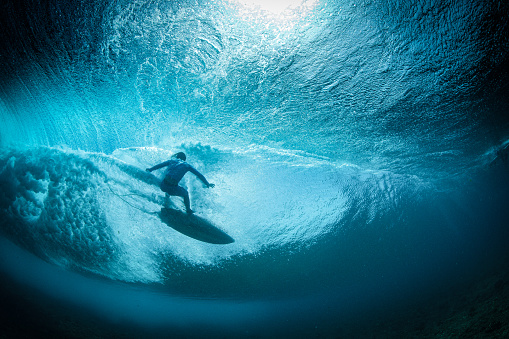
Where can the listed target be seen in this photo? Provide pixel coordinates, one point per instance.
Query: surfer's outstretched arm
(200, 176)
(156, 167)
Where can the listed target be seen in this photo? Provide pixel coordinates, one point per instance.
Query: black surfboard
(194, 226)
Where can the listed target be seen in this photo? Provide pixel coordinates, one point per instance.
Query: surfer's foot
(190, 212)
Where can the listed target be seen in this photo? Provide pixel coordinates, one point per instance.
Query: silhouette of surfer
(177, 167)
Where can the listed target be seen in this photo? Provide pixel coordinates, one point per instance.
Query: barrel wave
(358, 151)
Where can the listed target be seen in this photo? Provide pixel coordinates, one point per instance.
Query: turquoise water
(359, 152)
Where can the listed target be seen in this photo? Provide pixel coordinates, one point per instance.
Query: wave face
(359, 149)
(98, 213)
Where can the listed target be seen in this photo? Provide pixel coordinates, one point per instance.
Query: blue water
(359, 151)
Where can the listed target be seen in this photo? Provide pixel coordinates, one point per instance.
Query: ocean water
(359, 151)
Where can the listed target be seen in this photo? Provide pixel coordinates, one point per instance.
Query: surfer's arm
(200, 176)
(156, 167)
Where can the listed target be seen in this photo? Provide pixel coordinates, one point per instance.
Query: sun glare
(276, 7)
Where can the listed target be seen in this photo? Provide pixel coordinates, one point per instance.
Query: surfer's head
(180, 155)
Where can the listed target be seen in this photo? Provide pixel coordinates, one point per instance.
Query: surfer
(177, 167)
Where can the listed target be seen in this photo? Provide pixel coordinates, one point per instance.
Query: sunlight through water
(276, 7)
(281, 10)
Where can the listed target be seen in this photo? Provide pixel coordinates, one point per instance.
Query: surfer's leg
(179, 192)
(183, 193)
(167, 200)
(169, 191)
(187, 202)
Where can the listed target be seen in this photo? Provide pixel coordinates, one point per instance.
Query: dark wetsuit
(175, 170)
